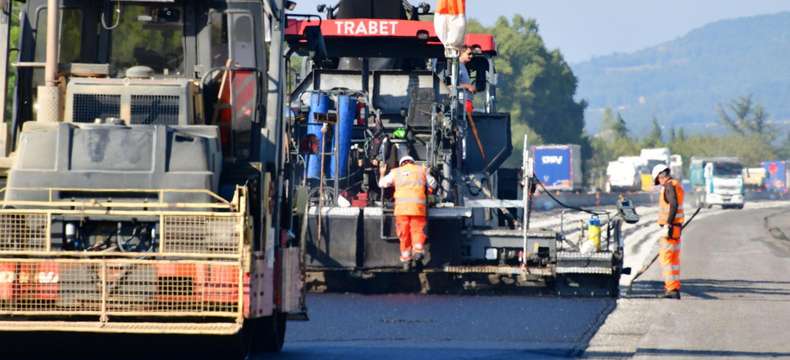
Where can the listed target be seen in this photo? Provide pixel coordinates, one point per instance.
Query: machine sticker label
(367, 27)
(552, 160)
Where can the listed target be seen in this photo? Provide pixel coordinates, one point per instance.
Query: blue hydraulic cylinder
(319, 106)
(346, 114)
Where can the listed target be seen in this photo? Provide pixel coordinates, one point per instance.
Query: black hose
(564, 205)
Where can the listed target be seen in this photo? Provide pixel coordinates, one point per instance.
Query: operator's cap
(657, 170)
(405, 159)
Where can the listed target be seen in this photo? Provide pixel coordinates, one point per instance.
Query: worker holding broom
(671, 215)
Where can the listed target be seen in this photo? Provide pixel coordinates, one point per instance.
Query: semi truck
(656, 156)
(559, 167)
(676, 166)
(367, 98)
(717, 181)
(623, 176)
(147, 191)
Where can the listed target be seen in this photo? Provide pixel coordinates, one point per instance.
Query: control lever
(627, 211)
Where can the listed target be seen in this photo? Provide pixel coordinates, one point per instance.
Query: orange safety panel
(451, 7)
(238, 94)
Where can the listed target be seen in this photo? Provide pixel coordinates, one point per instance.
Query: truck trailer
(776, 175)
(559, 167)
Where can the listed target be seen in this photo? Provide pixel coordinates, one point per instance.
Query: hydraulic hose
(564, 205)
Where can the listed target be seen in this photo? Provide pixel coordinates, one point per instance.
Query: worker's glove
(670, 231)
(432, 200)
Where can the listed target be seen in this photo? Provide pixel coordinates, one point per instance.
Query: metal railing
(196, 271)
(158, 203)
(216, 231)
(182, 235)
(108, 288)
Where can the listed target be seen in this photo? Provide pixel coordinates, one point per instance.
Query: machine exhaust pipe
(49, 93)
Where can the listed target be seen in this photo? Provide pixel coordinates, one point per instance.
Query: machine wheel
(272, 333)
(264, 335)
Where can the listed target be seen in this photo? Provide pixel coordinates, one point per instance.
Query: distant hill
(681, 81)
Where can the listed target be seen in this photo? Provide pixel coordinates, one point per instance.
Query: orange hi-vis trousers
(411, 232)
(669, 256)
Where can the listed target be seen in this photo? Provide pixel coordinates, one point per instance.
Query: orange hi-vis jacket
(451, 7)
(410, 190)
(663, 204)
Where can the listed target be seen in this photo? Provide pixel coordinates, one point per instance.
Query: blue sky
(582, 29)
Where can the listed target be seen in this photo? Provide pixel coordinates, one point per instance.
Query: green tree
(656, 136)
(783, 150)
(747, 118)
(613, 125)
(611, 142)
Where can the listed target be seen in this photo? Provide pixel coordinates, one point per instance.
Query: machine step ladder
(387, 228)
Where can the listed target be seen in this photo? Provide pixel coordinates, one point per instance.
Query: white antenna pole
(526, 181)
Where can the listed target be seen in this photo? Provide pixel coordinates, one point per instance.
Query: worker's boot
(406, 265)
(674, 294)
(418, 258)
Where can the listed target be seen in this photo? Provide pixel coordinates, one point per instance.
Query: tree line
(536, 86)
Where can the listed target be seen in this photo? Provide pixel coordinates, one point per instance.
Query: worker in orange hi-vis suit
(671, 215)
(412, 184)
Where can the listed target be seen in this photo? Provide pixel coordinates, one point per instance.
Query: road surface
(736, 304)
(736, 296)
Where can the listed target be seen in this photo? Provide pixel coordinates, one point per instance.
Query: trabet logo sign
(367, 27)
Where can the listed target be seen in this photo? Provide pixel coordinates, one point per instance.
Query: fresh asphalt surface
(444, 327)
(736, 304)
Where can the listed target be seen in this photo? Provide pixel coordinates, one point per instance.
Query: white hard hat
(658, 169)
(404, 159)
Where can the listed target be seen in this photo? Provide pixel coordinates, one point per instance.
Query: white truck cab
(723, 184)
